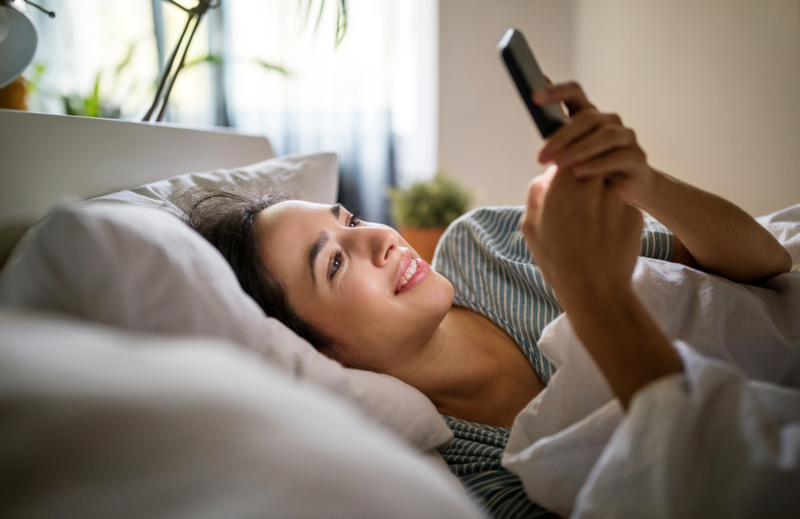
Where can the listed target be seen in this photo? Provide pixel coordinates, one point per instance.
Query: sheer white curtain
(331, 98)
(372, 99)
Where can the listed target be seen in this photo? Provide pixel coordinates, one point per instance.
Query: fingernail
(543, 158)
(539, 96)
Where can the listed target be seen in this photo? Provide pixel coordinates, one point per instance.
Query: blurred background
(712, 87)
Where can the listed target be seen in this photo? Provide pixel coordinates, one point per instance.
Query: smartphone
(528, 77)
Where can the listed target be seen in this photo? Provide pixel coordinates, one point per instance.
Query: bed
(137, 378)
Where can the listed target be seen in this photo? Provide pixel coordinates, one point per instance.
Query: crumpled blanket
(721, 439)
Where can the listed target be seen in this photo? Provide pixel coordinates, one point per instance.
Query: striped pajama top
(484, 255)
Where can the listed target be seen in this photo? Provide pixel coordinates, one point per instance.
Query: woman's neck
(472, 369)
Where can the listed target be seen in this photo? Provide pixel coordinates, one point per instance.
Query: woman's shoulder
(480, 233)
(486, 220)
(490, 214)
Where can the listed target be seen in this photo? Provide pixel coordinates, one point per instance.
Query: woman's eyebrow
(320, 242)
(314, 252)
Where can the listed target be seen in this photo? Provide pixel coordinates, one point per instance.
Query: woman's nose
(377, 243)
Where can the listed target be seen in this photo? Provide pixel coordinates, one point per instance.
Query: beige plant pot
(422, 240)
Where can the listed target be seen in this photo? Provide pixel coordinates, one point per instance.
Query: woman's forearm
(721, 237)
(623, 339)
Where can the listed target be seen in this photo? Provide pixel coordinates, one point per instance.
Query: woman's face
(359, 283)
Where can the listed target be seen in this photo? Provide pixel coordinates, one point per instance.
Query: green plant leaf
(431, 203)
(307, 14)
(341, 21)
(341, 17)
(34, 76)
(208, 58)
(92, 102)
(270, 66)
(126, 60)
(319, 15)
(70, 105)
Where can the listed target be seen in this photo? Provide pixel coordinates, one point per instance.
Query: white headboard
(46, 157)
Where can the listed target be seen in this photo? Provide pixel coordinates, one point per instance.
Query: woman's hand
(584, 238)
(595, 145)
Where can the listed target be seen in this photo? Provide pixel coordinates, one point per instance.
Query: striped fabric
(485, 257)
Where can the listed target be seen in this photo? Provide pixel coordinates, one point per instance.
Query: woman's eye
(354, 220)
(336, 264)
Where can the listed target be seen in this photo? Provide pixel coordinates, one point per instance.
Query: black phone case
(547, 125)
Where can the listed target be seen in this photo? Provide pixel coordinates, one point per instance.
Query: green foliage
(341, 16)
(88, 106)
(274, 68)
(96, 104)
(430, 203)
(33, 77)
(208, 58)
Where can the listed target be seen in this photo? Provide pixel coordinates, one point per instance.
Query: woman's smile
(411, 273)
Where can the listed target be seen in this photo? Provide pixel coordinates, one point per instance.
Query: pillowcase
(311, 177)
(102, 423)
(143, 269)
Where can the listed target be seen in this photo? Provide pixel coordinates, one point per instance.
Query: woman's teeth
(412, 268)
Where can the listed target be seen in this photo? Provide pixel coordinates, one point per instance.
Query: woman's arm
(711, 233)
(585, 240)
(716, 234)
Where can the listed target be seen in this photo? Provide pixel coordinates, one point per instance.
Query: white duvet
(721, 439)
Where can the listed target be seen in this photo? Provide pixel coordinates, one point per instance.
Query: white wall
(712, 88)
(414, 87)
(486, 136)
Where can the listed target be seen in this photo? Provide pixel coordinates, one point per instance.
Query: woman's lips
(422, 271)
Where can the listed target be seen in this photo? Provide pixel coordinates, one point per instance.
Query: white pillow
(311, 177)
(100, 423)
(143, 269)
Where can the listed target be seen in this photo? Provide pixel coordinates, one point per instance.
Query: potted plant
(423, 210)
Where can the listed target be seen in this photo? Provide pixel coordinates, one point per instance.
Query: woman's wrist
(604, 300)
(648, 197)
(624, 340)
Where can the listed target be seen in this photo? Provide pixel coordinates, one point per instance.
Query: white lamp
(17, 40)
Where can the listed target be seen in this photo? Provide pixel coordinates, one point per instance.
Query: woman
(465, 332)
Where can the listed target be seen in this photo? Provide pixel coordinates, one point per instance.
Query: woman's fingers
(580, 125)
(537, 189)
(603, 139)
(620, 160)
(594, 144)
(571, 94)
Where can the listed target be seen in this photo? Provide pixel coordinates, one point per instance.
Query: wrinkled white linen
(705, 443)
(720, 439)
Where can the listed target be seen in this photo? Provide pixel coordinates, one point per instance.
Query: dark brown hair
(226, 217)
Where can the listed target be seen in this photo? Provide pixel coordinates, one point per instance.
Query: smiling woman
(360, 282)
(466, 331)
(361, 295)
